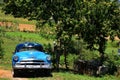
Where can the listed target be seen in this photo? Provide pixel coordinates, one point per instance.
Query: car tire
(15, 73)
(48, 72)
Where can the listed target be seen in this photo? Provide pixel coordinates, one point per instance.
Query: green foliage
(115, 44)
(112, 62)
(10, 18)
(91, 20)
(49, 48)
(112, 47)
(97, 22)
(45, 30)
(70, 60)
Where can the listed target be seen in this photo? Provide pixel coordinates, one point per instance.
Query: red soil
(26, 27)
(5, 74)
(20, 27)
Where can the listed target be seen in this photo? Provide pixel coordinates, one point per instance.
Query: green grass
(9, 47)
(26, 36)
(71, 76)
(4, 79)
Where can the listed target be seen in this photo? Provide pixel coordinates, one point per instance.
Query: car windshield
(24, 47)
(27, 49)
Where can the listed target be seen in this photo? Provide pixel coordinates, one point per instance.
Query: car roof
(27, 44)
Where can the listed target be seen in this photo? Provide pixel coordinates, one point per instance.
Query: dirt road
(8, 74)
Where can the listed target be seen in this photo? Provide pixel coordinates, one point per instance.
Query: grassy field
(71, 76)
(26, 36)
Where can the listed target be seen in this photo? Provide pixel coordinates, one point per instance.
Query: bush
(114, 44)
(112, 62)
(70, 60)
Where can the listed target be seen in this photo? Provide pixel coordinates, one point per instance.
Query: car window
(31, 48)
(27, 49)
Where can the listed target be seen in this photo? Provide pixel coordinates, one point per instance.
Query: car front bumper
(47, 66)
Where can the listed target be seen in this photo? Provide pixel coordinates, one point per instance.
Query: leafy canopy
(91, 20)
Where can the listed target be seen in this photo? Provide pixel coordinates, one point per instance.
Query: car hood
(24, 55)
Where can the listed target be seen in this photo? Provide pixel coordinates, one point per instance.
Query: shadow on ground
(33, 75)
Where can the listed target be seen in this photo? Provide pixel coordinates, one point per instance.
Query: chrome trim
(48, 66)
(32, 64)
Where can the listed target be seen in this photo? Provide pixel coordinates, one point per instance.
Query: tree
(101, 19)
(91, 20)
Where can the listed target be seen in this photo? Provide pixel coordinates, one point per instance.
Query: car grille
(31, 62)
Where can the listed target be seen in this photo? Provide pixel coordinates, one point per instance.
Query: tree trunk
(65, 59)
(102, 49)
(57, 58)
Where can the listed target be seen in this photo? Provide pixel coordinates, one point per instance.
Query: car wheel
(48, 72)
(15, 73)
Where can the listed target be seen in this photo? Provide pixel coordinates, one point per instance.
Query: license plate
(20, 66)
(33, 66)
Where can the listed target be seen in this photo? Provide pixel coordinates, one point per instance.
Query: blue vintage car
(30, 56)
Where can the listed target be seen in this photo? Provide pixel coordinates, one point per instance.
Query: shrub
(70, 60)
(112, 62)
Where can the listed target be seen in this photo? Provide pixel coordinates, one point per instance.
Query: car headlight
(48, 58)
(15, 58)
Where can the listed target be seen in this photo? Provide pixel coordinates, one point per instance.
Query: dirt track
(8, 74)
